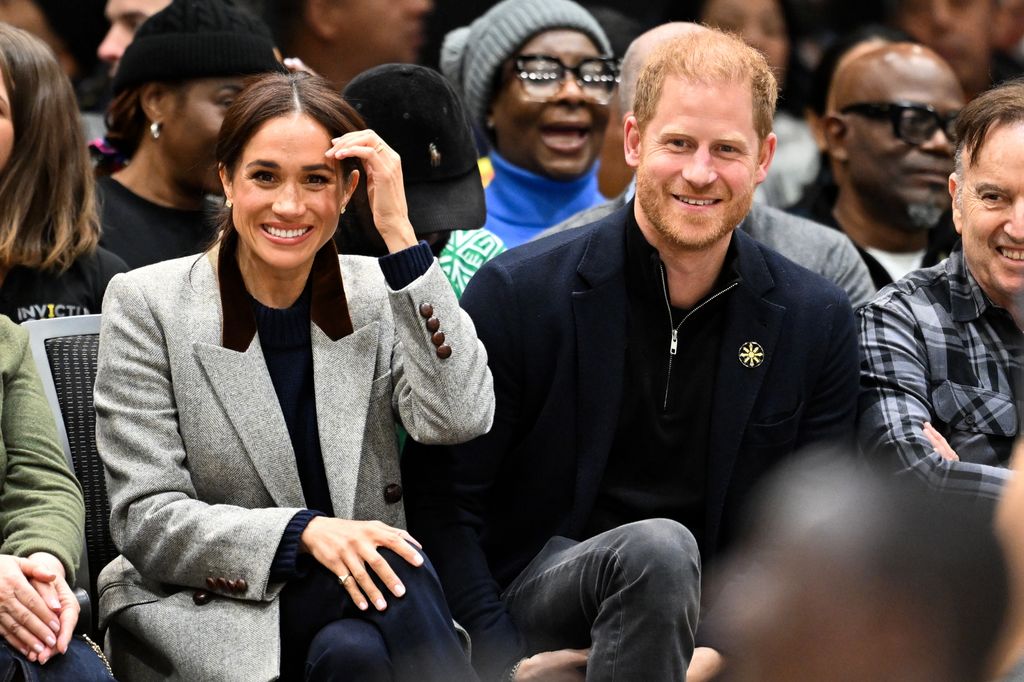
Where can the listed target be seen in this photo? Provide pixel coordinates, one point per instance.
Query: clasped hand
(38, 610)
(383, 184)
(349, 548)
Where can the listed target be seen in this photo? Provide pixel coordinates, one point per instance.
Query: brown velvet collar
(328, 310)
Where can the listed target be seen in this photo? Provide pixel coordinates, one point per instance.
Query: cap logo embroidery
(435, 155)
(751, 354)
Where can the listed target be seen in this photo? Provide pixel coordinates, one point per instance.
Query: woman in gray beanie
(536, 75)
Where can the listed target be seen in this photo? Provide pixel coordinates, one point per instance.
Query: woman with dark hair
(49, 263)
(173, 85)
(247, 402)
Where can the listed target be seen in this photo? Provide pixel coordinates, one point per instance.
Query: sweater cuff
(285, 565)
(403, 267)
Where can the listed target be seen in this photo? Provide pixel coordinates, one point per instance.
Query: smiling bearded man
(649, 369)
(716, 184)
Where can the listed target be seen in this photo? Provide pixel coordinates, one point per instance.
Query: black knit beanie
(196, 39)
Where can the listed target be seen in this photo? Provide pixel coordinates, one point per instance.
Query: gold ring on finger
(379, 148)
(343, 578)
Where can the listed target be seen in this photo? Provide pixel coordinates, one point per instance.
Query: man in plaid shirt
(941, 348)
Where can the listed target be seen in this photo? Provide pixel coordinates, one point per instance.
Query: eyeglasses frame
(519, 73)
(894, 110)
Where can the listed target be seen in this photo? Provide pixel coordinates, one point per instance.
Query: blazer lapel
(343, 376)
(749, 342)
(601, 318)
(245, 391)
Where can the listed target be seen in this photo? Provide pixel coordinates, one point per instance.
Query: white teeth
(1012, 255)
(286, 234)
(697, 202)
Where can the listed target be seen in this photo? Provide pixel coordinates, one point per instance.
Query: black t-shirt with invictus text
(28, 294)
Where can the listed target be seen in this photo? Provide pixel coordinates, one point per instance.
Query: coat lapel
(343, 376)
(238, 375)
(752, 330)
(243, 386)
(599, 310)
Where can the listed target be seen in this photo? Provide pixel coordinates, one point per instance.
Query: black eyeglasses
(911, 122)
(542, 76)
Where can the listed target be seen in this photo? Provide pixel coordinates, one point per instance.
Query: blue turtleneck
(521, 204)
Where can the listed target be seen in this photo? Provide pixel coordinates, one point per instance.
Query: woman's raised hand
(383, 184)
(349, 548)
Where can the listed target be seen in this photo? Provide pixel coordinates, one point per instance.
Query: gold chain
(99, 652)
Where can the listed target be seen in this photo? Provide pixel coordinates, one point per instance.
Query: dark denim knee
(80, 664)
(661, 551)
(348, 649)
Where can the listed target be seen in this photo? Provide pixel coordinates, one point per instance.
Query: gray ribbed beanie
(471, 55)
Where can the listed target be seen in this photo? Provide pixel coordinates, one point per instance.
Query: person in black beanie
(171, 90)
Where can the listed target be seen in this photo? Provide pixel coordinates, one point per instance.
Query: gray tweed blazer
(200, 469)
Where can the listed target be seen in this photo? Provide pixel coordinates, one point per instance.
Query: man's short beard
(649, 193)
(923, 215)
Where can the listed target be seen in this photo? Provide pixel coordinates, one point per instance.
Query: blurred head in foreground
(849, 576)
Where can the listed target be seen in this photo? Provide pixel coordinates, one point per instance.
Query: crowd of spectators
(519, 339)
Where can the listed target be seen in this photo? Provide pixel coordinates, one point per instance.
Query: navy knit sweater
(287, 349)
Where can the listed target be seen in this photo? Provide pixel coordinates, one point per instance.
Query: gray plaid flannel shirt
(934, 347)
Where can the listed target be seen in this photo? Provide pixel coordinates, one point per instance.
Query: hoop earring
(154, 129)
(228, 204)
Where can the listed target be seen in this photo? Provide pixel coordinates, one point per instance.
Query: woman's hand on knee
(26, 622)
(349, 550)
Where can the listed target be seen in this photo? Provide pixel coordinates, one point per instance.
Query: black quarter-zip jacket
(657, 467)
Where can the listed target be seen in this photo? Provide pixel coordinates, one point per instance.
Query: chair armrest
(85, 617)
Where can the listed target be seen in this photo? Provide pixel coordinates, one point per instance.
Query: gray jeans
(631, 594)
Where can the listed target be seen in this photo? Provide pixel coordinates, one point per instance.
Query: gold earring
(228, 203)
(342, 210)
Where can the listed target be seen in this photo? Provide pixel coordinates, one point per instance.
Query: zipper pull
(674, 346)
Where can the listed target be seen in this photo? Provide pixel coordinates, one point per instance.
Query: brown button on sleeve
(444, 352)
(392, 493)
(200, 597)
(426, 310)
(437, 339)
(211, 583)
(222, 584)
(241, 586)
(433, 324)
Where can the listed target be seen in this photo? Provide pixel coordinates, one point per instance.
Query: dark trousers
(631, 594)
(79, 664)
(324, 636)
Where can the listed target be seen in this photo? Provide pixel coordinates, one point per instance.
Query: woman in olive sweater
(41, 520)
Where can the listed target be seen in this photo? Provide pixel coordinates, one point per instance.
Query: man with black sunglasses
(890, 139)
